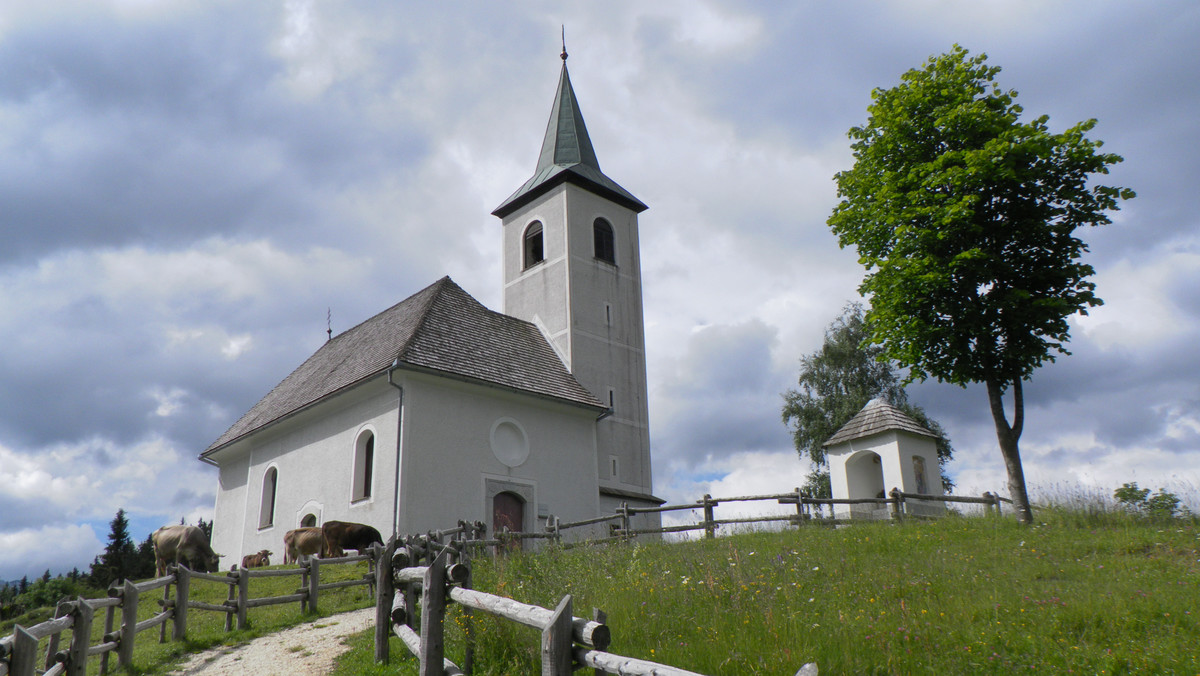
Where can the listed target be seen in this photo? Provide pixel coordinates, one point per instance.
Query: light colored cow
(188, 543)
(262, 558)
(302, 542)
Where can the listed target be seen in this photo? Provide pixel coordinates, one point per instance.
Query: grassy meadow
(1083, 591)
(1092, 590)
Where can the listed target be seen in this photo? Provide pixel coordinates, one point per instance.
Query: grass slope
(1096, 593)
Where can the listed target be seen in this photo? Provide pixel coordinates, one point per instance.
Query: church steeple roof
(567, 156)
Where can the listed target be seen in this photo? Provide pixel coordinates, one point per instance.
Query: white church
(439, 409)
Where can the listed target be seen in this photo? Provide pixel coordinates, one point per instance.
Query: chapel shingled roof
(876, 417)
(567, 156)
(440, 329)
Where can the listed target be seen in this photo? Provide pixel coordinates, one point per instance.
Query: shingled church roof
(441, 330)
(876, 417)
(567, 156)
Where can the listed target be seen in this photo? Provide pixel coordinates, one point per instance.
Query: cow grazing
(302, 542)
(257, 560)
(343, 535)
(188, 543)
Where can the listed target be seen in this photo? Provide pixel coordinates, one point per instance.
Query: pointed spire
(566, 142)
(567, 155)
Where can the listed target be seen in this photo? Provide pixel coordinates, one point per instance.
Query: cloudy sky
(186, 188)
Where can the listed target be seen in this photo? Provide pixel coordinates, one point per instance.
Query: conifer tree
(119, 557)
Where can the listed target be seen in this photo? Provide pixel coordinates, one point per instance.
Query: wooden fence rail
(567, 642)
(20, 653)
(897, 503)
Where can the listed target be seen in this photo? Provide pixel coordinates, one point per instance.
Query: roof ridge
(876, 416)
(425, 313)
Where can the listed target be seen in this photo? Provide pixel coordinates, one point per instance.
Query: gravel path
(304, 650)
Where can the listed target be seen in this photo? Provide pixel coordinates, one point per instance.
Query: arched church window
(266, 514)
(364, 465)
(309, 521)
(602, 234)
(534, 248)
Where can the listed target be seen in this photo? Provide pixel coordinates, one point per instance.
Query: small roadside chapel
(879, 449)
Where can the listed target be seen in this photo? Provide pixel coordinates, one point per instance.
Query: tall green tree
(119, 560)
(964, 218)
(835, 383)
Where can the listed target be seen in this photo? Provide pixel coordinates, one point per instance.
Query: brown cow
(343, 535)
(173, 543)
(302, 542)
(262, 558)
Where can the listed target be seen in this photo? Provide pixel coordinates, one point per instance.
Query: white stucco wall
(449, 468)
(313, 453)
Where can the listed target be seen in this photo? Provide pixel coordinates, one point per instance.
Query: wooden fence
(899, 506)
(20, 653)
(567, 642)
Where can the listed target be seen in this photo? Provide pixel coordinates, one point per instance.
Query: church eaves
(441, 330)
(567, 156)
(876, 417)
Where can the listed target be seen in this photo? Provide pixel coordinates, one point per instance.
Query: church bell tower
(572, 267)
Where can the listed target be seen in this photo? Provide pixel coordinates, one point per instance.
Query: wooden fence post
(799, 507)
(314, 581)
(81, 635)
(897, 504)
(129, 611)
(410, 590)
(990, 505)
(109, 614)
(24, 653)
(626, 526)
(63, 609)
(468, 621)
(243, 585)
(999, 505)
(183, 579)
(710, 528)
(165, 603)
(600, 617)
(556, 641)
(433, 610)
(231, 604)
(383, 599)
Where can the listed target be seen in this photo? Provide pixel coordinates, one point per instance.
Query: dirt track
(304, 650)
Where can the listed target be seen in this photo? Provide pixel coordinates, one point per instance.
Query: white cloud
(53, 548)
(1140, 307)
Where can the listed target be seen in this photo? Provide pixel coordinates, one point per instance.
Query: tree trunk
(1009, 435)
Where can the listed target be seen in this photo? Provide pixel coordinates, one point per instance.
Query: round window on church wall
(509, 443)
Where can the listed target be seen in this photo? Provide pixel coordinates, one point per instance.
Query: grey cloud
(180, 133)
(722, 395)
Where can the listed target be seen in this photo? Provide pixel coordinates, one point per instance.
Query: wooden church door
(508, 511)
